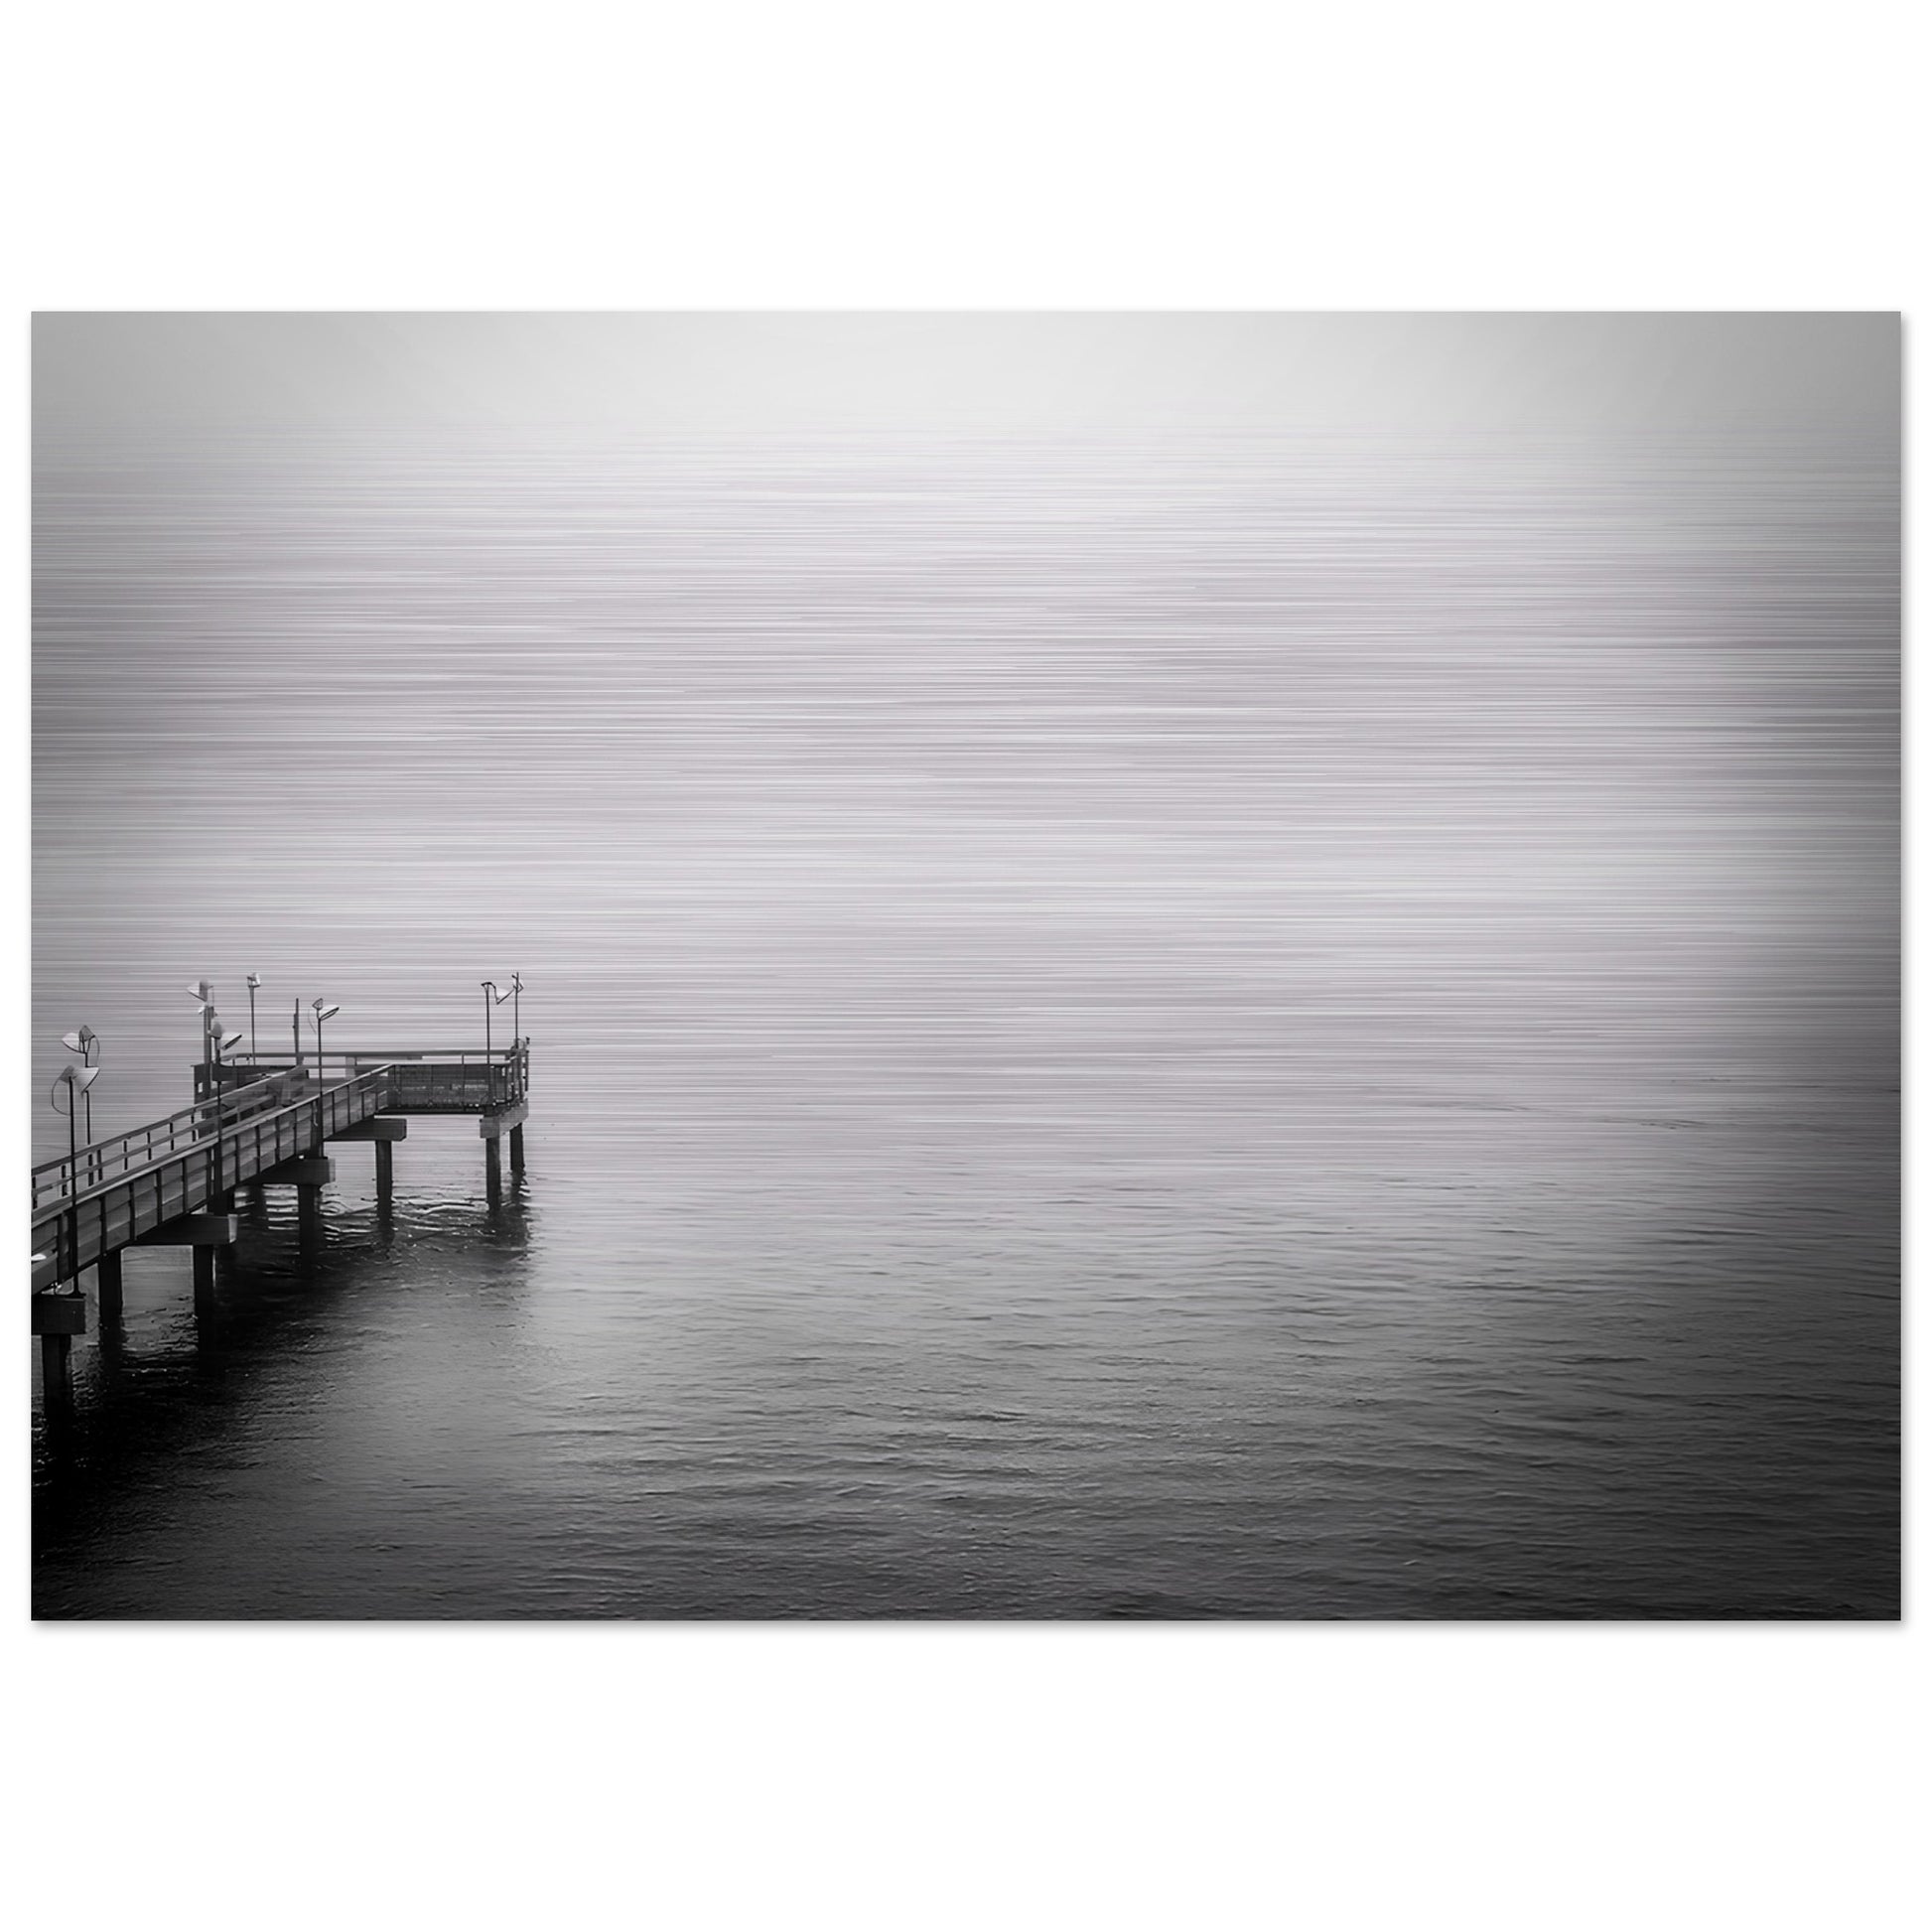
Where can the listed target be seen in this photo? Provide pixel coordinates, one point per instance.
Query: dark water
(1218, 1028)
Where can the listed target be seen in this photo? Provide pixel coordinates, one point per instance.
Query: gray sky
(997, 371)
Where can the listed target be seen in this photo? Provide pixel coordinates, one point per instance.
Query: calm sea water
(1263, 1028)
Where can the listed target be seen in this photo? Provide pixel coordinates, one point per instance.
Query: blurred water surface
(1212, 1027)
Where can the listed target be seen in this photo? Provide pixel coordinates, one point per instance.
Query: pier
(256, 1121)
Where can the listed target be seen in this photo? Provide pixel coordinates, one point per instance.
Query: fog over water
(1136, 1010)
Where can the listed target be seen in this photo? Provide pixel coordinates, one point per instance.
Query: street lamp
(321, 1012)
(516, 1011)
(85, 1042)
(75, 1079)
(254, 979)
(205, 993)
(491, 997)
(218, 1044)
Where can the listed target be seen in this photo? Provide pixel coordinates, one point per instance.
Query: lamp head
(229, 1042)
(325, 1013)
(202, 991)
(74, 1043)
(254, 979)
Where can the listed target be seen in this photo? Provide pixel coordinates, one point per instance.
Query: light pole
(205, 993)
(85, 1042)
(77, 1080)
(516, 1007)
(490, 997)
(321, 1012)
(254, 979)
(219, 1045)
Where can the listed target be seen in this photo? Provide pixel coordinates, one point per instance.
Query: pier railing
(456, 1079)
(84, 1225)
(141, 1147)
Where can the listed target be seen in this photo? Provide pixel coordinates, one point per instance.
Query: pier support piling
(386, 1172)
(206, 1234)
(308, 1215)
(492, 1126)
(307, 1174)
(204, 1281)
(108, 1285)
(58, 1319)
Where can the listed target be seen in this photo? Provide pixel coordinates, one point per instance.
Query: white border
(1007, 155)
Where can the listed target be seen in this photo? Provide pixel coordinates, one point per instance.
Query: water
(1187, 1027)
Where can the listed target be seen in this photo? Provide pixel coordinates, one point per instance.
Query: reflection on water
(1222, 1029)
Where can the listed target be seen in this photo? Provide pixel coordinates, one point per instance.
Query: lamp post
(205, 993)
(219, 1045)
(491, 997)
(516, 1007)
(321, 1012)
(87, 1043)
(77, 1080)
(254, 979)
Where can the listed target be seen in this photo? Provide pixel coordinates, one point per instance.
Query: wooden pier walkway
(256, 1121)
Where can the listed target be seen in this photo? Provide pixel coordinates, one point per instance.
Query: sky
(693, 373)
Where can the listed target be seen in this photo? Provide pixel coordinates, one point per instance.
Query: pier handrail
(505, 1070)
(324, 1102)
(107, 1160)
(386, 1054)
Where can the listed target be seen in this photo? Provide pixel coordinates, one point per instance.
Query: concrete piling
(204, 1281)
(58, 1319)
(107, 1285)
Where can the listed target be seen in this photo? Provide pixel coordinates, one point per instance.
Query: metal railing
(141, 1147)
(95, 1220)
(456, 1079)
